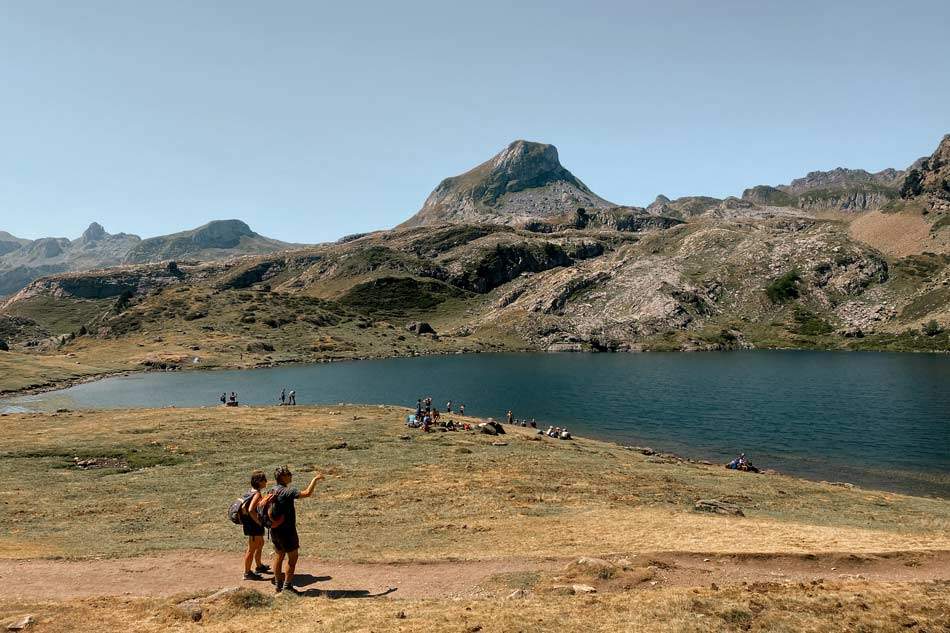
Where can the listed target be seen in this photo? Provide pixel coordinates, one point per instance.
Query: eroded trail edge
(187, 571)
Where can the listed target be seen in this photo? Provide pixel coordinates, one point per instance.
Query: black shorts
(251, 527)
(284, 540)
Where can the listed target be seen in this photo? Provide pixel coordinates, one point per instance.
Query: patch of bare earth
(896, 234)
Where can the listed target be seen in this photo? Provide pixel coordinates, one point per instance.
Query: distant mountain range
(22, 261)
(518, 253)
(526, 182)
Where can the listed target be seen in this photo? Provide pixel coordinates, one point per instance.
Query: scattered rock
(419, 327)
(487, 429)
(592, 566)
(405, 437)
(517, 594)
(841, 484)
(718, 507)
(499, 443)
(401, 615)
(337, 446)
(645, 450)
(583, 589)
(260, 346)
(21, 624)
(4, 347)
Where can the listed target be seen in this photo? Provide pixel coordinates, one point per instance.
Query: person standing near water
(509, 416)
(283, 395)
(224, 398)
(462, 409)
(283, 532)
(292, 397)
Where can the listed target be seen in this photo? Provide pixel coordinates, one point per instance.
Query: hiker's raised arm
(309, 489)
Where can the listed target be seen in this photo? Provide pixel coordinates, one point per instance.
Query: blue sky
(311, 120)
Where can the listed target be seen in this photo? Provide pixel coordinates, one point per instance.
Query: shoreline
(58, 385)
(654, 455)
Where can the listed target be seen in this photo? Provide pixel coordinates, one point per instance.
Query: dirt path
(179, 572)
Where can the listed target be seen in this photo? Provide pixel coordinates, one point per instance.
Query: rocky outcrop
(623, 219)
(930, 177)
(682, 208)
(522, 182)
(837, 190)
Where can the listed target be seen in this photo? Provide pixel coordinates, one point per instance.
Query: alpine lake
(877, 420)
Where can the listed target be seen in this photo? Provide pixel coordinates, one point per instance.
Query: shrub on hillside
(932, 328)
(785, 288)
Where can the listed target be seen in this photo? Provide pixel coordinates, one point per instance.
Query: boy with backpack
(245, 512)
(279, 509)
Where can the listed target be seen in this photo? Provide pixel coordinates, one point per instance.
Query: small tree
(785, 288)
(932, 328)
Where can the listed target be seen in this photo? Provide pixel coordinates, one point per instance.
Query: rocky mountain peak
(94, 233)
(523, 181)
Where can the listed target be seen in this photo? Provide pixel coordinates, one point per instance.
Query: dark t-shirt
(284, 506)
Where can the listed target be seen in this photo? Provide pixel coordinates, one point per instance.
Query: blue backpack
(239, 507)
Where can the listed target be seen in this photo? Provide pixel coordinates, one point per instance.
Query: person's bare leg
(249, 554)
(258, 548)
(291, 566)
(278, 572)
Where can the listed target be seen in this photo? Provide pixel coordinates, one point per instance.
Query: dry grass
(758, 607)
(897, 234)
(423, 498)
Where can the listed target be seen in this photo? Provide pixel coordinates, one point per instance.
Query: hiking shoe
(262, 569)
(292, 589)
(249, 575)
(278, 587)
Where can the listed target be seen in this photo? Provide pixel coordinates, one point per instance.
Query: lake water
(876, 419)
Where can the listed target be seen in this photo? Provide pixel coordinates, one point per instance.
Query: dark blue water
(875, 419)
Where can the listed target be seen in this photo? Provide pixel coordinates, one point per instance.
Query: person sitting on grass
(253, 529)
(283, 531)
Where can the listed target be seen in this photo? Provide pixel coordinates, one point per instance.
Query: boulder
(3, 346)
(23, 623)
(592, 566)
(718, 507)
(583, 589)
(419, 327)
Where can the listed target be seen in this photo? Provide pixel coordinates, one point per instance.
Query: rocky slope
(524, 181)
(929, 177)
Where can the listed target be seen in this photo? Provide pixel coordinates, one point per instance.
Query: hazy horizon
(310, 123)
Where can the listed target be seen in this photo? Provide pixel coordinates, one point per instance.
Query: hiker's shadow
(336, 594)
(304, 580)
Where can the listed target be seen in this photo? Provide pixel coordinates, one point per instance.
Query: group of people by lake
(428, 416)
(286, 398)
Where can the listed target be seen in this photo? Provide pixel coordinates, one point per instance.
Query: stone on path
(21, 624)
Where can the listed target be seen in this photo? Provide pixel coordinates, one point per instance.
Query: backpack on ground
(238, 508)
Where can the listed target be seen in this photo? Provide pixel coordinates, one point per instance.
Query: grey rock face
(525, 180)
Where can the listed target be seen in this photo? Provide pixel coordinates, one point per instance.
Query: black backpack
(239, 507)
